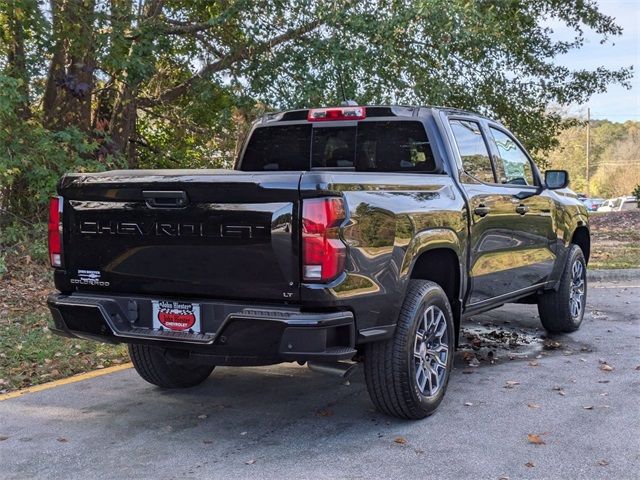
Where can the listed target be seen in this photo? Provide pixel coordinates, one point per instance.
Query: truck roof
(372, 111)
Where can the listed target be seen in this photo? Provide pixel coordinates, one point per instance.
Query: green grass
(30, 354)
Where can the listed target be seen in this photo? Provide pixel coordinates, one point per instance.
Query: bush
(32, 158)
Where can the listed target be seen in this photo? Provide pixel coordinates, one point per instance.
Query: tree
(168, 82)
(615, 157)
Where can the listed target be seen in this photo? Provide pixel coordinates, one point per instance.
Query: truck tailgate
(211, 233)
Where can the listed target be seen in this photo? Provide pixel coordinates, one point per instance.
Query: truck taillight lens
(323, 253)
(55, 231)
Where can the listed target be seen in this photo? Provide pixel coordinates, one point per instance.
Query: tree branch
(228, 60)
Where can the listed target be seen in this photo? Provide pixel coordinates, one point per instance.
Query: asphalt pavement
(533, 407)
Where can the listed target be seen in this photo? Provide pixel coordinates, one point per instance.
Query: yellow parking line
(65, 381)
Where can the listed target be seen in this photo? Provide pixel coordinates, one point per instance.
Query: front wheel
(562, 310)
(407, 375)
(152, 365)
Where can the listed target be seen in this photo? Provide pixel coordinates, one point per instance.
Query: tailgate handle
(164, 199)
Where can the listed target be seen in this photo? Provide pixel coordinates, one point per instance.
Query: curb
(613, 275)
(65, 381)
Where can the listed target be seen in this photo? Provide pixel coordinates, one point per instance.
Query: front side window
(512, 165)
(473, 150)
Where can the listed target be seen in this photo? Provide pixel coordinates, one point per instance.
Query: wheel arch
(582, 238)
(441, 264)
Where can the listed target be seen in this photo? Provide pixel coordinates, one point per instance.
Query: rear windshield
(395, 146)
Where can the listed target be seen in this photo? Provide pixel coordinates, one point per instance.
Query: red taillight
(55, 231)
(336, 113)
(323, 252)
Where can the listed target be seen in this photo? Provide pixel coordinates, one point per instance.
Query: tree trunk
(16, 57)
(122, 127)
(70, 82)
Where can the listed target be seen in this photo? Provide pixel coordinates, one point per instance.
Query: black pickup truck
(346, 234)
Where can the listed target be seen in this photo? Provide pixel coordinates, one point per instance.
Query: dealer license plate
(176, 316)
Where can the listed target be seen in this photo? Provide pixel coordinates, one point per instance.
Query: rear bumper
(232, 333)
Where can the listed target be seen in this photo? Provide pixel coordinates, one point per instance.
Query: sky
(617, 104)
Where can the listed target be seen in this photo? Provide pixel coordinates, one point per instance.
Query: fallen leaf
(533, 405)
(603, 463)
(467, 356)
(400, 440)
(529, 465)
(207, 442)
(535, 439)
(638, 367)
(559, 390)
(324, 412)
(533, 363)
(511, 384)
(243, 433)
(551, 344)
(605, 367)
(250, 462)
(588, 407)
(62, 439)
(202, 417)
(3, 438)
(468, 404)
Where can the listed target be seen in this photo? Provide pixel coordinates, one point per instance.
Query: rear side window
(285, 147)
(391, 146)
(473, 150)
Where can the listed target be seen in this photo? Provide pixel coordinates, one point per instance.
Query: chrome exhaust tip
(340, 369)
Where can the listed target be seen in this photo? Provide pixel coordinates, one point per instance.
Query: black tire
(152, 366)
(555, 306)
(390, 367)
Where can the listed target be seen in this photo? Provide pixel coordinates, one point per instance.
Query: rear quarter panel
(393, 218)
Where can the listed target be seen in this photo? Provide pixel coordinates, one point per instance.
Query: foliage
(32, 158)
(166, 83)
(636, 193)
(614, 166)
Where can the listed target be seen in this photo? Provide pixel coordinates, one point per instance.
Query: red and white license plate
(176, 316)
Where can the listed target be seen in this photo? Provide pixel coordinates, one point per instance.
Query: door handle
(481, 210)
(165, 199)
(522, 209)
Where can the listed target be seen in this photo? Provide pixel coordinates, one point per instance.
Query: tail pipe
(340, 369)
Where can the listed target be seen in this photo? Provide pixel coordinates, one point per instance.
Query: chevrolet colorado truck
(343, 235)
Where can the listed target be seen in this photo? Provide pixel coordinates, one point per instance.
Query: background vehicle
(592, 204)
(349, 233)
(619, 204)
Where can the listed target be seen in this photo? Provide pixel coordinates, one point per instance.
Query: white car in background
(619, 204)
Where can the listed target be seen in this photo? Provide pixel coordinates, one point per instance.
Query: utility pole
(588, 146)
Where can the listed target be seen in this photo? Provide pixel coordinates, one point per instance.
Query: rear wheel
(562, 310)
(152, 365)
(407, 375)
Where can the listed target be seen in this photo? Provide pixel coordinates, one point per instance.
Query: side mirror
(556, 179)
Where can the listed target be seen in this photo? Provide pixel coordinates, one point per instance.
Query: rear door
(491, 238)
(218, 233)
